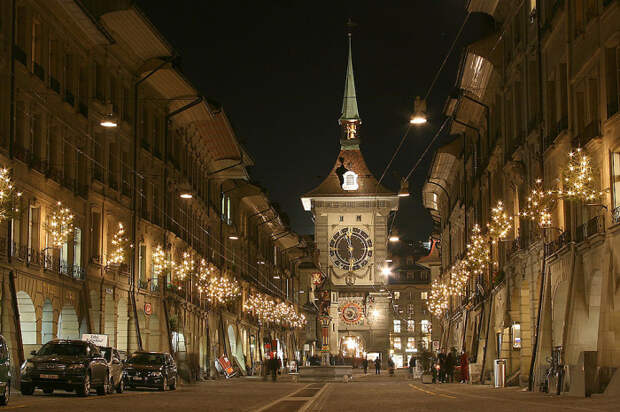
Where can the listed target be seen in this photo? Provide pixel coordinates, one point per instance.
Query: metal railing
(590, 228)
(557, 244)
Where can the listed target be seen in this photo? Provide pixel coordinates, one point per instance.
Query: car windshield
(106, 353)
(146, 359)
(63, 349)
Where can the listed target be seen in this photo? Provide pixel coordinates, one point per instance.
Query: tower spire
(350, 117)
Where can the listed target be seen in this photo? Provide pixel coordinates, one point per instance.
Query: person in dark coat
(450, 364)
(377, 366)
(464, 367)
(365, 365)
(273, 367)
(391, 366)
(411, 366)
(442, 367)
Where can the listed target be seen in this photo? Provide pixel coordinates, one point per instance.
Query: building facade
(543, 85)
(95, 114)
(351, 210)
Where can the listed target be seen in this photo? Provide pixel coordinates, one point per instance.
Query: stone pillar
(325, 321)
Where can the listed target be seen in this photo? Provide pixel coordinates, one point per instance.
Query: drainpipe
(15, 306)
(134, 223)
(163, 284)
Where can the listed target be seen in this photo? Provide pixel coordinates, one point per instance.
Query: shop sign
(148, 309)
(97, 340)
(435, 345)
(226, 366)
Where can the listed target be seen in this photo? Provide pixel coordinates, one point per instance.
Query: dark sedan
(71, 365)
(151, 369)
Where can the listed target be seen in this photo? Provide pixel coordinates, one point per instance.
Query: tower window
(358, 218)
(342, 218)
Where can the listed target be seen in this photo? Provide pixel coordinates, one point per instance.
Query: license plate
(49, 376)
(137, 378)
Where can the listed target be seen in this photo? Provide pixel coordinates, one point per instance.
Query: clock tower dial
(350, 248)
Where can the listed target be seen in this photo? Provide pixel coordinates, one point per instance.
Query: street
(363, 393)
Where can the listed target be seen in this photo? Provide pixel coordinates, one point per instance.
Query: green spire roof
(349, 103)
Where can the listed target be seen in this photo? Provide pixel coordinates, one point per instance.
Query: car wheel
(84, 389)
(164, 385)
(48, 391)
(105, 388)
(26, 389)
(121, 386)
(173, 385)
(4, 399)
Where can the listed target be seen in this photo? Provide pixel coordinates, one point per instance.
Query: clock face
(350, 248)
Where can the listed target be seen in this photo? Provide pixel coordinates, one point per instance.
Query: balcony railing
(557, 244)
(143, 284)
(590, 228)
(555, 130)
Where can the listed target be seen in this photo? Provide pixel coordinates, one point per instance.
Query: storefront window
(396, 326)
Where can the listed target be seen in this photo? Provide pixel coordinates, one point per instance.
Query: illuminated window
(350, 181)
(396, 295)
(424, 295)
(411, 326)
(516, 336)
(397, 344)
(396, 326)
(615, 183)
(426, 326)
(410, 344)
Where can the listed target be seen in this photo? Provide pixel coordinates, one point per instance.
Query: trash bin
(499, 370)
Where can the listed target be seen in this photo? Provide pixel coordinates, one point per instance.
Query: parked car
(115, 367)
(5, 372)
(71, 365)
(151, 369)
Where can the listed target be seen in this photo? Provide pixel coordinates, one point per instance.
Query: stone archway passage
(68, 324)
(47, 324)
(27, 318)
(122, 323)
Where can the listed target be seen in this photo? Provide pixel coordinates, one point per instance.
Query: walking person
(412, 362)
(365, 366)
(391, 366)
(464, 367)
(442, 367)
(273, 366)
(377, 366)
(450, 364)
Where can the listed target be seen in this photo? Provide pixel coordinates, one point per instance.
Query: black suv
(151, 369)
(66, 364)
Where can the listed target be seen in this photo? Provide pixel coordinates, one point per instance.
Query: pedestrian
(442, 367)
(377, 366)
(450, 364)
(412, 362)
(464, 367)
(365, 366)
(391, 366)
(279, 365)
(273, 367)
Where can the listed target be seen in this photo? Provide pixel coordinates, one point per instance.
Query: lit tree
(500, 224)
(119, 246)
(60, 225)
(478, 256)
(186, 268)
(579, 180)
(8, 195)
(539, 205)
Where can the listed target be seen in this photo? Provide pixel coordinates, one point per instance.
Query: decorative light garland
(8, 195)
(60, 225)
(579, 182)
(437, 301)
(539, 205)
(265, 309)
(500, 225)
(219, 290)
(119, 246)
(159, 261)
(186, 268)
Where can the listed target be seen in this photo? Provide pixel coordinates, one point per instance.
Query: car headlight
(155, 374)
(75, 366)
(27, 366)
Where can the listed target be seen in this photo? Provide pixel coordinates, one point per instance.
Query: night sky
(278, 68)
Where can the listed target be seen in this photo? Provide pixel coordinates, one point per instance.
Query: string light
(539, 205)
(578, 178)
(267, 310)
(186, 268)
(8, 195)
(478, 256)
(119, 246)
(159, 262)
(500, 225)
(219, 290)
(437, 301)
(60, 225)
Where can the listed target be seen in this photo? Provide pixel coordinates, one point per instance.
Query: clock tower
(351, 209)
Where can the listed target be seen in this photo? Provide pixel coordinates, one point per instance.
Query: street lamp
(386, 271)
(419, 116)
(186, 195)
(394, 238)
(404, 188)
(108, 121)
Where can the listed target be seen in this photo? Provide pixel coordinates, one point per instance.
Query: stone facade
(66, 67)
(542, 85)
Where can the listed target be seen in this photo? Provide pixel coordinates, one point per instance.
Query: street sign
(98, 340)
(148, 309)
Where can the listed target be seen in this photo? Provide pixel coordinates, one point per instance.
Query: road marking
(286, 397)
(4, 408)
(431, 393)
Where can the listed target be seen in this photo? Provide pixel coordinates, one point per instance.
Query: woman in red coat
(464, 367)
